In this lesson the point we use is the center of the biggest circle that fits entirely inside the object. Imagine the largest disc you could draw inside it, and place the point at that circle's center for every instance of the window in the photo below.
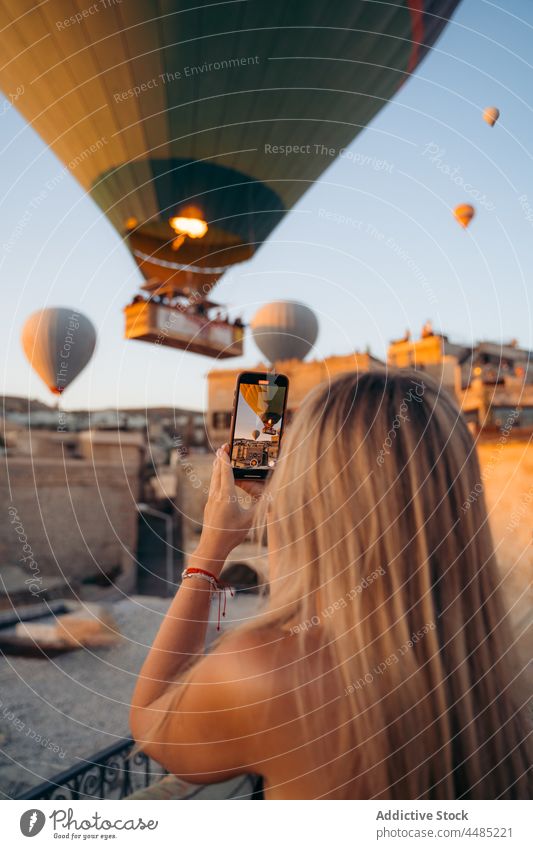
(221, 420)
(526, 417)
(504, 417)
(471, 416)
(199, 435)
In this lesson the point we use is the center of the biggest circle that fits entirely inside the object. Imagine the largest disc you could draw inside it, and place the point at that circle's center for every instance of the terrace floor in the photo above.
(57, 713)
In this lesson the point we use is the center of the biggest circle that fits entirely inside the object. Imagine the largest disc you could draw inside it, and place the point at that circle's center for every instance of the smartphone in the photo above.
(257, 423)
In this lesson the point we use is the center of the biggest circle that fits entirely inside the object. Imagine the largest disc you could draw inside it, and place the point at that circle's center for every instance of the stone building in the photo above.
(493, 382)
(70, 493)
(70, 512)
(303, 377)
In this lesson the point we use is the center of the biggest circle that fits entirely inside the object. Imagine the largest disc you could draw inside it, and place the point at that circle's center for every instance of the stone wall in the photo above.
(507, 477)
(78, 517)
(193, 479)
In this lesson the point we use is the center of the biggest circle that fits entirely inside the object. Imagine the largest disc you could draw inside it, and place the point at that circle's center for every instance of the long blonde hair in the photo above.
(384, 557)
(384, 550)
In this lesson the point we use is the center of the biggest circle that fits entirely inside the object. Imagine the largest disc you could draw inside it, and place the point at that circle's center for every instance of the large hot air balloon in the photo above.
(491, 115)
(284, 330)
(464, 214)
(58, 343)
(266, 402)
(196, 127)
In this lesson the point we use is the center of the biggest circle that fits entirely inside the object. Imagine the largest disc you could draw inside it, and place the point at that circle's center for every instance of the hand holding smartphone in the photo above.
(257, 423)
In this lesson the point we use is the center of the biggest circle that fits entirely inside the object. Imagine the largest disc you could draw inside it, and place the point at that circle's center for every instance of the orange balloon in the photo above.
(491, 115)
(464, 214)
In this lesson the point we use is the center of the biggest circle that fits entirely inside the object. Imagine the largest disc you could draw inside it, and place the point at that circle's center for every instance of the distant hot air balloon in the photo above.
(491, 115)
(58, 343)
(464, 214)
(284, 330)
(164, 112)
(266, 402)
(255, 434)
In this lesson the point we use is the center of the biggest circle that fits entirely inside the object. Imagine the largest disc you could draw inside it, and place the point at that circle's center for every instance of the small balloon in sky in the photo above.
(464, 214)
(491, 115)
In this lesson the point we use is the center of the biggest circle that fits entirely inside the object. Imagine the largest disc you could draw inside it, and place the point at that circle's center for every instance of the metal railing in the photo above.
(112, 773)
(116, 772)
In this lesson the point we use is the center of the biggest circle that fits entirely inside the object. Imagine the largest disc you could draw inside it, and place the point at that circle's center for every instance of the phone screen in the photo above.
(258, 425)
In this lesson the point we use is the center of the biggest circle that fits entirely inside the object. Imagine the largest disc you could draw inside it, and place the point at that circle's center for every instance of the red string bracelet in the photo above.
(195, 570)
(218, 586)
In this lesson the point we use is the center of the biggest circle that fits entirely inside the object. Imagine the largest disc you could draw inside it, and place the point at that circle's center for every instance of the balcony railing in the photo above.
(113, 773)
(116, 772)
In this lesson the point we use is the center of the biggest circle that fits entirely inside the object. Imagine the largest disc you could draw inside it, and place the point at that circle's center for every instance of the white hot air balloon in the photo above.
(491, 115)
(58, 343)
(284, 330)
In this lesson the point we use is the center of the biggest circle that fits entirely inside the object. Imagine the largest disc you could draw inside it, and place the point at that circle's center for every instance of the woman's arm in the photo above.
(219, 724)
(181, 637)
(182, 633)
(212, 728)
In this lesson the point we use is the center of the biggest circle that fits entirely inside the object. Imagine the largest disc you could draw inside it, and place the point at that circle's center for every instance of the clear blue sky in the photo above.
(400, 260)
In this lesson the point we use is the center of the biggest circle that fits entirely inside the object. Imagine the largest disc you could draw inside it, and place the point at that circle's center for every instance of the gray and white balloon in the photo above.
(284, 330)
(58, 343)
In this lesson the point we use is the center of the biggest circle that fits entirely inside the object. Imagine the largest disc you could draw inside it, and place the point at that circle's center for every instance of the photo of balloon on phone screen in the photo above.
(260, 401)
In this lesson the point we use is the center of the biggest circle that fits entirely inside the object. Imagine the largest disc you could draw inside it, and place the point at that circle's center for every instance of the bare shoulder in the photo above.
(254, 659)
(224, 720)
(236, 712)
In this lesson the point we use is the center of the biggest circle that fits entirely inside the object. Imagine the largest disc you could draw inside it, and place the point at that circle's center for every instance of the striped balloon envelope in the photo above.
(216, 115)
(58, 343)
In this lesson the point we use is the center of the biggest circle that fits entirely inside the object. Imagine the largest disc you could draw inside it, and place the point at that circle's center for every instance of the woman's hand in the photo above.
(255, 489)
(228, 516)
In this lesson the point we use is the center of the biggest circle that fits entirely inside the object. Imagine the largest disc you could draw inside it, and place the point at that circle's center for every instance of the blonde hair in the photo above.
(379, 559)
